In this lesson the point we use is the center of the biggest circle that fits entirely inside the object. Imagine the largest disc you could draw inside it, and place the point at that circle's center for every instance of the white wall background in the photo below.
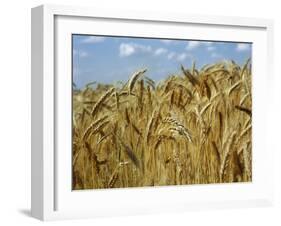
(15, 111)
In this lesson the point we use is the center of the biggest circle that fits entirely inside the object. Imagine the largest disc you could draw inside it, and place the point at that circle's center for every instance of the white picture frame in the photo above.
(52, 197)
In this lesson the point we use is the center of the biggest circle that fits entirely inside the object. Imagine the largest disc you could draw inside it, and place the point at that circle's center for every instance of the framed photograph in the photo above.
(137, 112)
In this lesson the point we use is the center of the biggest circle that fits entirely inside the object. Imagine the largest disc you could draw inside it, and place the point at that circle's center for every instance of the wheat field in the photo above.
(194, 127)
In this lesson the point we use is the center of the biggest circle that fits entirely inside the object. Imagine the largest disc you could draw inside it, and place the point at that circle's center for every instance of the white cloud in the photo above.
(93, 39)
(127, 49)
(242, 47)
(195, 44)
(192, 45)
(143, 48)
(178, 56)
(215, 55)
(181, 56)
(166, 41)
(211, 48)
(83, 54)
(160, 51)
(80, 54)
(171, 55)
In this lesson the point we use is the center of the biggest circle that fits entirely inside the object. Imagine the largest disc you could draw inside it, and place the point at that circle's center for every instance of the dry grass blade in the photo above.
(244, 99)
(213, 83)
(101, 100)
(103, 138)
(221, 124)
(226, 156)
(232, 88)
(150, 124)
(247, 162)
(126, 93)
(205, 108)
(127, 116)
(75, 157)
(117, 100)
(98, 129)
(217, 153)
(130, 153)
(245, 67)
(162, 138)
(136, 129)
(247, 129)
(92, 126)
(114, 177)
(244, 109)
(208, 90)
(189, 76)
(217, 71)
(88, 85)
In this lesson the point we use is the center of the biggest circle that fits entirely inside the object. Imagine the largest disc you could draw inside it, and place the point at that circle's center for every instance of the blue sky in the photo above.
(111, 59)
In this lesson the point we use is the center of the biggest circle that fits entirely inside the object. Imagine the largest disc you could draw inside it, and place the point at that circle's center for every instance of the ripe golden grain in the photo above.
(194, 127)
